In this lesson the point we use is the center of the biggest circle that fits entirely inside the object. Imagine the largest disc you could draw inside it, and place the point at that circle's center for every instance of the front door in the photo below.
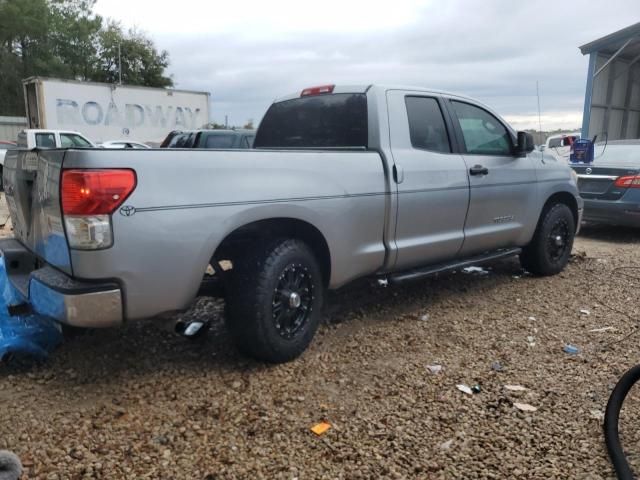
(502, 185)
(431, 181)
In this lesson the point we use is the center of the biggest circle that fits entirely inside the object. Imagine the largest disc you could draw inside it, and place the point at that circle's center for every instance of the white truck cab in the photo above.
(42, 138)
(560, 145)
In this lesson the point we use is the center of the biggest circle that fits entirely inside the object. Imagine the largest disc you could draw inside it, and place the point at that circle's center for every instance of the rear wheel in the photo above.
(275, 300)
(550, 248)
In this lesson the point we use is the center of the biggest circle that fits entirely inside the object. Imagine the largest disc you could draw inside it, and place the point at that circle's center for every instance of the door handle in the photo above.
(398, 173)
(478, 170)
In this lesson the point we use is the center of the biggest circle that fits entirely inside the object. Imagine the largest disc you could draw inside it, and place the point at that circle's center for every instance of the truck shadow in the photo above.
(112, 358)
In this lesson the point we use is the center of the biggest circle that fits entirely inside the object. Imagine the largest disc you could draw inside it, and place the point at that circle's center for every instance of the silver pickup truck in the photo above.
(344, 182)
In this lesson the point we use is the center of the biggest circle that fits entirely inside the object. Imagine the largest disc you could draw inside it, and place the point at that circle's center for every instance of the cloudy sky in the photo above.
(248, 53)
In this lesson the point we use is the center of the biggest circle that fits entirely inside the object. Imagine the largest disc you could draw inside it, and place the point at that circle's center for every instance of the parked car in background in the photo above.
(39, 138)
(344, 182)
(560, 145)
(123, 144)
(222, 139)
(610, 186)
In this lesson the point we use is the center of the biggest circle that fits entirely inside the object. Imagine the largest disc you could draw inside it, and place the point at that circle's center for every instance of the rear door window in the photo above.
(178, 141)
(318, 121)
(426, 125)
(190, 140)
(483, 133)
(45, 140)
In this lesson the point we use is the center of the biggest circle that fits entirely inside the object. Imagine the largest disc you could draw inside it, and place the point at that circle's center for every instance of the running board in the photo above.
(418, 273)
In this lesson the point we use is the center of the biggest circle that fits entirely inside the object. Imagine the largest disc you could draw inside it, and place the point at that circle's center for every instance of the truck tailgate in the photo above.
(32, 189)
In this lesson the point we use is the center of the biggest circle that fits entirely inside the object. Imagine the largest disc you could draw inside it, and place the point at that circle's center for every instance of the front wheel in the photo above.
(550, 248)
(275, 300)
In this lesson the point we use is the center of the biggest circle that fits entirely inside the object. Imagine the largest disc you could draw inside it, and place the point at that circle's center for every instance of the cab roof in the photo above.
(365, 88)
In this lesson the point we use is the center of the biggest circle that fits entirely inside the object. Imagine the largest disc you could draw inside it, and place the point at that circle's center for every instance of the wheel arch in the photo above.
(565, 198)
(288, 227)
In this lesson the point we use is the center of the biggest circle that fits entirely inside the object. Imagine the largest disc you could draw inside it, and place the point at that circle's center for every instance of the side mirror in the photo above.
(525, 144)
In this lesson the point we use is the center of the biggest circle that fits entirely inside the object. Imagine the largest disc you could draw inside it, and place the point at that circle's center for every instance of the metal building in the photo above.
(612, 97)
(11, 126)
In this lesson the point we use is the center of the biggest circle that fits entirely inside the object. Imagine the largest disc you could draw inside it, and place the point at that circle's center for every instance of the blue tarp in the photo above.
(30, 335)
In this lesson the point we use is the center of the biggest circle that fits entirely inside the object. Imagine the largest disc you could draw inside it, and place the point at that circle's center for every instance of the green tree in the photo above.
(65, 39)
(142, 64)
(74, 38)
(23, 36)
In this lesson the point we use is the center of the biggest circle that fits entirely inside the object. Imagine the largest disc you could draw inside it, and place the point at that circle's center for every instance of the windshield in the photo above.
(321, 121)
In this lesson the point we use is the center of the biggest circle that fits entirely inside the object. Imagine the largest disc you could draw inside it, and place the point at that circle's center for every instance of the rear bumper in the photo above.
(54, 294)
(612, 212)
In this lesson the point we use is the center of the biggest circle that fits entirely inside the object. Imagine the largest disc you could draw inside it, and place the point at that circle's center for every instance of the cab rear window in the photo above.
(320, 121)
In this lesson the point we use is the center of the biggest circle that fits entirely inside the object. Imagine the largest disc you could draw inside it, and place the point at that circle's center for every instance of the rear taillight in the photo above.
(631, 181)
(317, 90)
(89, 197)
(94, 192)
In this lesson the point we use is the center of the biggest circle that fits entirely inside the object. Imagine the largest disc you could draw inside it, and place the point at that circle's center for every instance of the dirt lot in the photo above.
(143, 403)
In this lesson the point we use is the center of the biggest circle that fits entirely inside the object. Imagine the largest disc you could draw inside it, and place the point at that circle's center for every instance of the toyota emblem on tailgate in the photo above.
(128, 210)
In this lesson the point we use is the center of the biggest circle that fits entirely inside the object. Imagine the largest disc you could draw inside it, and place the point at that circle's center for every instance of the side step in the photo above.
(419, 273)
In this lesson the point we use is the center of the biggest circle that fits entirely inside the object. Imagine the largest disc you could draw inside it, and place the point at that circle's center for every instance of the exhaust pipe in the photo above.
(190, 328)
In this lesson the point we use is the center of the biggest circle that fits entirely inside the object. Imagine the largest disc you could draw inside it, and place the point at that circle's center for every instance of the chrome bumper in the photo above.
(54, 294)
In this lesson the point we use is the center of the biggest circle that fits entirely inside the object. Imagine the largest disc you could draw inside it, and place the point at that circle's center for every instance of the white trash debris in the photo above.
(603, 329)
(424, 317)
(446, 445)
(585, 312)
(465, 389)
(515, 388)
(533, 319)
(435, 369)
(383, 282)
(478, 270)
(525, 407)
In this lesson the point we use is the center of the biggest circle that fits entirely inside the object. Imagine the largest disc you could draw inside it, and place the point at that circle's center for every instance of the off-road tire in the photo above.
(544, 255)
(255, 292)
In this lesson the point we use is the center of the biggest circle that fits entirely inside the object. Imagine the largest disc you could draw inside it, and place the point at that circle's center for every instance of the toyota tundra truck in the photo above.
(344, 182)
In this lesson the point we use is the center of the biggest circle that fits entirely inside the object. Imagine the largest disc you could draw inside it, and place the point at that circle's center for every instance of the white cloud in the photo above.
(246, 54)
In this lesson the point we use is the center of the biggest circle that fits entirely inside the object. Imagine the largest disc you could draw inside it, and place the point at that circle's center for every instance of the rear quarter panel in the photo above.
(187, 201)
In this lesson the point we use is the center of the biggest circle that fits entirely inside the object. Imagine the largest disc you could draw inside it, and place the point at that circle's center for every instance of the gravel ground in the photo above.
(140, 402)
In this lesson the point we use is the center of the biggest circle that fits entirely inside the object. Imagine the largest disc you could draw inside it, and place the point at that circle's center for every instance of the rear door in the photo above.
(431, 180)
(503, 187)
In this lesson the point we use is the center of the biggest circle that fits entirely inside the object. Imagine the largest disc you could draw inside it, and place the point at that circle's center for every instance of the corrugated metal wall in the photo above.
(11, 126)
(615, 100)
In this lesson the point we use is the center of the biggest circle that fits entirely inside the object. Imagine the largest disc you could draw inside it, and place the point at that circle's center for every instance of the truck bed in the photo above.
(187, 201)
